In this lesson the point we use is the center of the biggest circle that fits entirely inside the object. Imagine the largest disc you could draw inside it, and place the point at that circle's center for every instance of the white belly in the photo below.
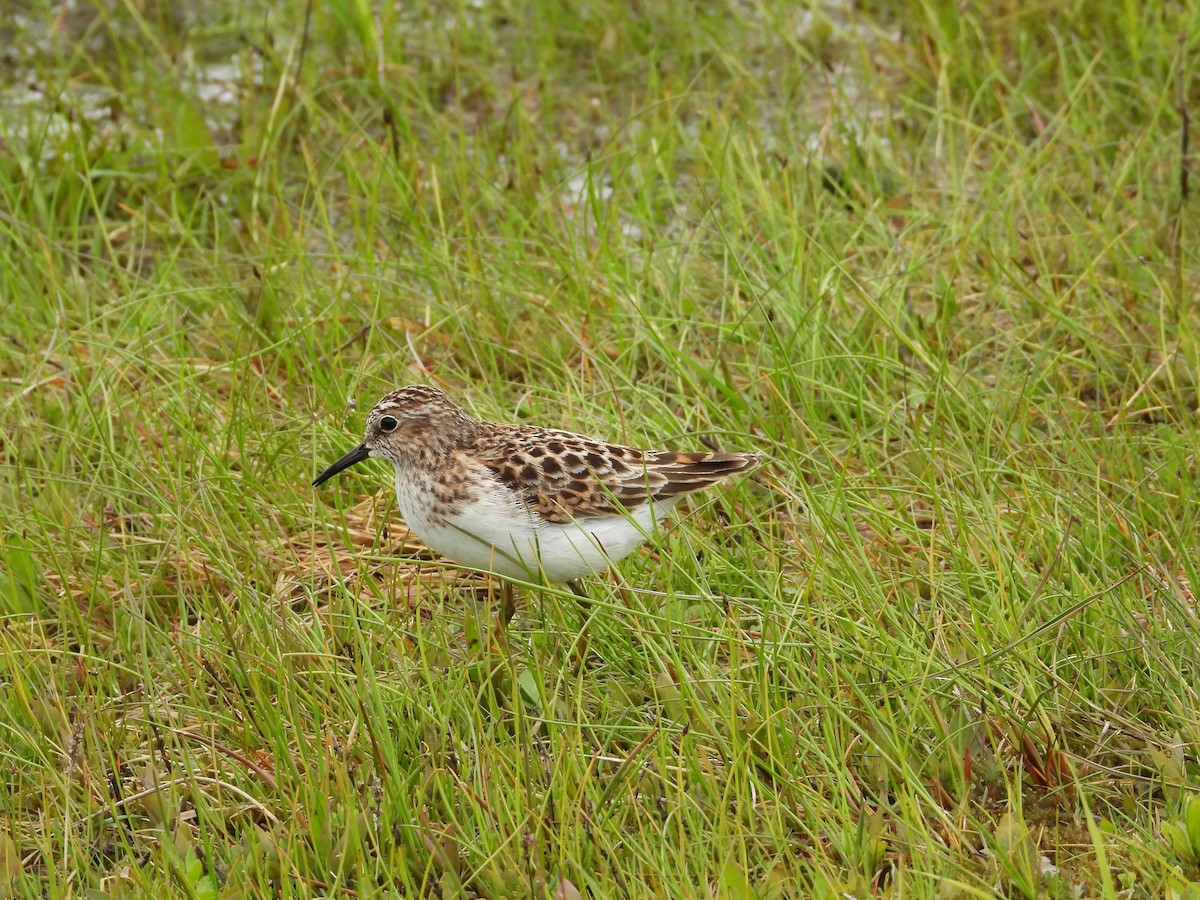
(498, 534)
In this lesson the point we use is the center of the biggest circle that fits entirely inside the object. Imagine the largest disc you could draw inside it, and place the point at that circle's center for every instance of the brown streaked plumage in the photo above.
(520, 500)
(563, 476)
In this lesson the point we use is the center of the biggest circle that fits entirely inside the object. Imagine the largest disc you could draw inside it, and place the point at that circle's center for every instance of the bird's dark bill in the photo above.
(357, 455)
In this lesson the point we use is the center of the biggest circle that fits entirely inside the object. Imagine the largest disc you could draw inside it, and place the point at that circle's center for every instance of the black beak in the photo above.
(357, 455)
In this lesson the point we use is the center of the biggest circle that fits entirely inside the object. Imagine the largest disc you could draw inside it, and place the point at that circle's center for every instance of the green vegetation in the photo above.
(936, 260)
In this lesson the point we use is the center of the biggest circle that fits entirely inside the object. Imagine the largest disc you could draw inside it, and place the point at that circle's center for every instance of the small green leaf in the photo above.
(1182, 890)
(474, 630)
(1192, 817)
(19, 578)
(153, 802)
(531, 690)
(1177, 837)
(193, 869)
(734, 882)
(1016, 843)
(668, 694)
(10, 859)
(777, 884)
(182, 838)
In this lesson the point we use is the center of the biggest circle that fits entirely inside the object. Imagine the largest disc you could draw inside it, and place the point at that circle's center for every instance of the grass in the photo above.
(935, 260)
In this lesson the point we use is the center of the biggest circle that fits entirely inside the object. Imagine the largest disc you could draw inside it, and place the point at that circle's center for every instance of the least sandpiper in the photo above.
(520, 501)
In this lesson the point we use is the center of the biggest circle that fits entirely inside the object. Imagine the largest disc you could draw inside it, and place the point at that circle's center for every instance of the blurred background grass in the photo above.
(934, 259)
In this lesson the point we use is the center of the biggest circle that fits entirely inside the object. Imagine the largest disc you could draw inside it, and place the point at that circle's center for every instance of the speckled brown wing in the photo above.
(564, 476)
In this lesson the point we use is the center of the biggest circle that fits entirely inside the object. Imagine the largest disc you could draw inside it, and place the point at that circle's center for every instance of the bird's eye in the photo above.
(388, 423)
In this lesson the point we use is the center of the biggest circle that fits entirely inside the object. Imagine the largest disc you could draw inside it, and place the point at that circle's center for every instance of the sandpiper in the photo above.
(521, 501)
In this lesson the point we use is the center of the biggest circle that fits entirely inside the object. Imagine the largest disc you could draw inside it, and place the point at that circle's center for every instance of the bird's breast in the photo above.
(483, 524)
